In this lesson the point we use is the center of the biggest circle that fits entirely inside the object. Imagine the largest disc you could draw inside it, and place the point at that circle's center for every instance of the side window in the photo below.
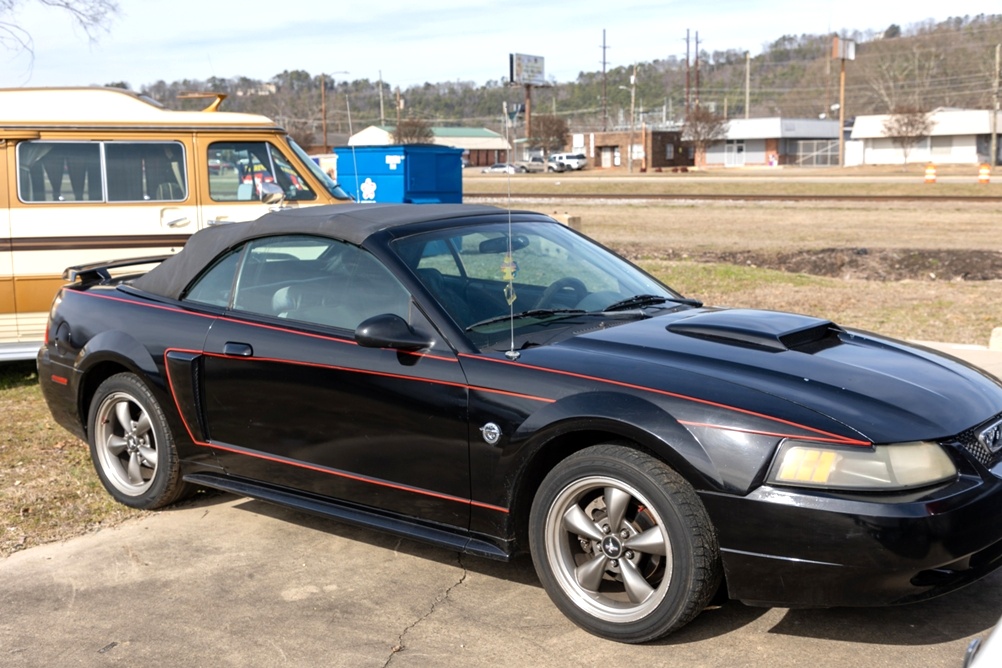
(101, 171)
(215, 286)
(437, 255)
(145, 171)
(59, 171)
(303, 278)
(237, 170)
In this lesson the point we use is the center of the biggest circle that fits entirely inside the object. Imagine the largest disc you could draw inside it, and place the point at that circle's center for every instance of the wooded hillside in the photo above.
(926, 65)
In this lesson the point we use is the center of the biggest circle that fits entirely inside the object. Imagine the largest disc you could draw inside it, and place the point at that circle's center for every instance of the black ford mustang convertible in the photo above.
(493, 382)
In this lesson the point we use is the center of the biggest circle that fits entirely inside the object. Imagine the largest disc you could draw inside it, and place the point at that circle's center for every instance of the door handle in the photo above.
(237, 349)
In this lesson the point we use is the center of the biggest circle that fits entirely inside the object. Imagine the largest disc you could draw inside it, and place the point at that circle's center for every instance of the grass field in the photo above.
(49, 491)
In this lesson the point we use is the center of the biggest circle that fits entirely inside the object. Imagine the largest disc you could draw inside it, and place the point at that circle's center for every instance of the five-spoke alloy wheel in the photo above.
(623, 544)
(131, 446)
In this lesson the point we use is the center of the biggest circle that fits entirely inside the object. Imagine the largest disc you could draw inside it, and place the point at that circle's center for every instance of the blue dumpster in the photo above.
(402, 173)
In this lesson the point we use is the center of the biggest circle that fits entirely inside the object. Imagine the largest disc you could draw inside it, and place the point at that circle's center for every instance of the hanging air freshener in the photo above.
(509, 269)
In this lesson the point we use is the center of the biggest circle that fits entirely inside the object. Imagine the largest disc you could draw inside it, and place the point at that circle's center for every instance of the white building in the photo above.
(807, 142)
(480, 145)
(958, 136)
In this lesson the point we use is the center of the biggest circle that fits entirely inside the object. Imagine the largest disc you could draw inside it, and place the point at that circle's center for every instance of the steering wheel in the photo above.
(559, 286)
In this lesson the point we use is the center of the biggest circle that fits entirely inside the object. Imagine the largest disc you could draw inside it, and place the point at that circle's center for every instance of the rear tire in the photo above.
(131, 446)
(622, 544)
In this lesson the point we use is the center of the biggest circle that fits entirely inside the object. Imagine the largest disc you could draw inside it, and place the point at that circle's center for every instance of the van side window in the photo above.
(109, 171)
(59, 171)
(237, 170)
(144, 171)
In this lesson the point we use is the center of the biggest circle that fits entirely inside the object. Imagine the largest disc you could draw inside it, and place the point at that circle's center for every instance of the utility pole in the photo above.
(323, 111)
(605, 109)
(400, 106)
(528, 114)
(995, 108)
(633, 116)
(841, 115)
(696, 69)
(382, 116)
(843, 49)
(688, 89)
(747, 84)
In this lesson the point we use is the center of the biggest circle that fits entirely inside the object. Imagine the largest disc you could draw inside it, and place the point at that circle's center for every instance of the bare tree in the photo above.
(903, 74)
(549, 133)
(907, 126)
(703, 127)
(413, 130)
(91, 15)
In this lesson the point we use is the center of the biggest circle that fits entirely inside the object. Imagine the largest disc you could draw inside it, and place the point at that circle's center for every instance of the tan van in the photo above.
(93, 174)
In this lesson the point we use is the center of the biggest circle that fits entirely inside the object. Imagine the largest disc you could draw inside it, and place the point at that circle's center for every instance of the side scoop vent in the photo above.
(762, 329)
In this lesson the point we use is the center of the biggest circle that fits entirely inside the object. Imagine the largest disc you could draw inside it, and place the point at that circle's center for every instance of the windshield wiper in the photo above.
(531, 313)
(638, 301)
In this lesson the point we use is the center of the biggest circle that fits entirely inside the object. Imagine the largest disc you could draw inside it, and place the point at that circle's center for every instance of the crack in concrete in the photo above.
(400, 646)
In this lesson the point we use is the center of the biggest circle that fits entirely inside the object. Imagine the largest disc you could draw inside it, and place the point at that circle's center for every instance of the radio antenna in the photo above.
(508, 267)
(354, 158)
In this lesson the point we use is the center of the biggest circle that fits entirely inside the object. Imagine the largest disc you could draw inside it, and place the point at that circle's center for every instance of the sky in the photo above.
(409, 42)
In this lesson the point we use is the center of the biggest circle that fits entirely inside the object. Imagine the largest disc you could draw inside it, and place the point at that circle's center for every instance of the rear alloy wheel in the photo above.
(132, 448)
(622, 544)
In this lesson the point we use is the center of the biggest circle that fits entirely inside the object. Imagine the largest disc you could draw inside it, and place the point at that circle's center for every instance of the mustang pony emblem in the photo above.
(991, 437)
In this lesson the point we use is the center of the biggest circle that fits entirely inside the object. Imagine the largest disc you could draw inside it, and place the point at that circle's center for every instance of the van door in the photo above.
(232, 172)
(82, 201)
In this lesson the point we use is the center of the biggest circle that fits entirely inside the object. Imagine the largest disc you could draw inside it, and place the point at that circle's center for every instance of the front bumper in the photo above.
(790, 548)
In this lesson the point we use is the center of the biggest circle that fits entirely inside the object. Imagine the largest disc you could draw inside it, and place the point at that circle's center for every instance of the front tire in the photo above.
(622, 544)
(131, 446)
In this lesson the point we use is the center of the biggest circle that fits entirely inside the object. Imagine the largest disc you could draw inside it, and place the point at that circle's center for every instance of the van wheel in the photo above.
(131, 446)
(622, 544)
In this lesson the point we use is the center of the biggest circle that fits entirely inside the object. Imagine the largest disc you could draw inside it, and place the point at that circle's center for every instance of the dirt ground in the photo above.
(877, 264)
(875, 241)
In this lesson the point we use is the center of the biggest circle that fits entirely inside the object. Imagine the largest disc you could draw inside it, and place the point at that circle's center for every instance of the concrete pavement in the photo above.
(227, 581)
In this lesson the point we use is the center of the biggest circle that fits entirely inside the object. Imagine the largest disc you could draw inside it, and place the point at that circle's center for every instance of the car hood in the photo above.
(881, 389)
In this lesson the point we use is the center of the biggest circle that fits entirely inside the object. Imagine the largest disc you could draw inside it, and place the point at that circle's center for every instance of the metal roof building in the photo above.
(957, 136)
(482, 146)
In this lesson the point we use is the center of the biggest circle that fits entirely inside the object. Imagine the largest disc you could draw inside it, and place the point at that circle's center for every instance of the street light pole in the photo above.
(323, 107)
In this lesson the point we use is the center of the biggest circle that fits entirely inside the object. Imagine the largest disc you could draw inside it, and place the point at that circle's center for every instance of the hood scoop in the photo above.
(771, 330)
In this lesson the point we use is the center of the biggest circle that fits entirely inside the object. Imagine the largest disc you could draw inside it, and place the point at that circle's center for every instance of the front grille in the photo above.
(968, 440)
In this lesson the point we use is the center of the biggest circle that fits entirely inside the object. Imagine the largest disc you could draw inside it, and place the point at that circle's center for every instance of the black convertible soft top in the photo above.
(352, 223)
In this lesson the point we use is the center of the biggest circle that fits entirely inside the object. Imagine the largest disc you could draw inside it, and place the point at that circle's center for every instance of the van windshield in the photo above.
(330, 184)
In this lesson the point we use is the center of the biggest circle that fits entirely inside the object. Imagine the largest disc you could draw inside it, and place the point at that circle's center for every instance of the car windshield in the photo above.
(329, 184)
(533, 276)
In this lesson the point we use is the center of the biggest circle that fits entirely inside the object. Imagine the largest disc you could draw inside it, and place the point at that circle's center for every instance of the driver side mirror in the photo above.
(389, 331)
(272, 194)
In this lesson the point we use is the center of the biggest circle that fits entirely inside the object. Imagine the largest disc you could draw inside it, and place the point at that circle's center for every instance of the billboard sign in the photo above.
(526, 70)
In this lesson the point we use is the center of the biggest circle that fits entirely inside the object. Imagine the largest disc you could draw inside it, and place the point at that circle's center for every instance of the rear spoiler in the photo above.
(101, 271)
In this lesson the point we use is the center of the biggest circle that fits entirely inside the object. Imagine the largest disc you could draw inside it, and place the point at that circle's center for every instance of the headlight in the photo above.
(882, 467)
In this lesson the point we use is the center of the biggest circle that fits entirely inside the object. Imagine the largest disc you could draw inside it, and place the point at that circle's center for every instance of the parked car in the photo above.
(570, 161)
(534, 164)
(495, 383)
(503, 168)
(553, 165)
